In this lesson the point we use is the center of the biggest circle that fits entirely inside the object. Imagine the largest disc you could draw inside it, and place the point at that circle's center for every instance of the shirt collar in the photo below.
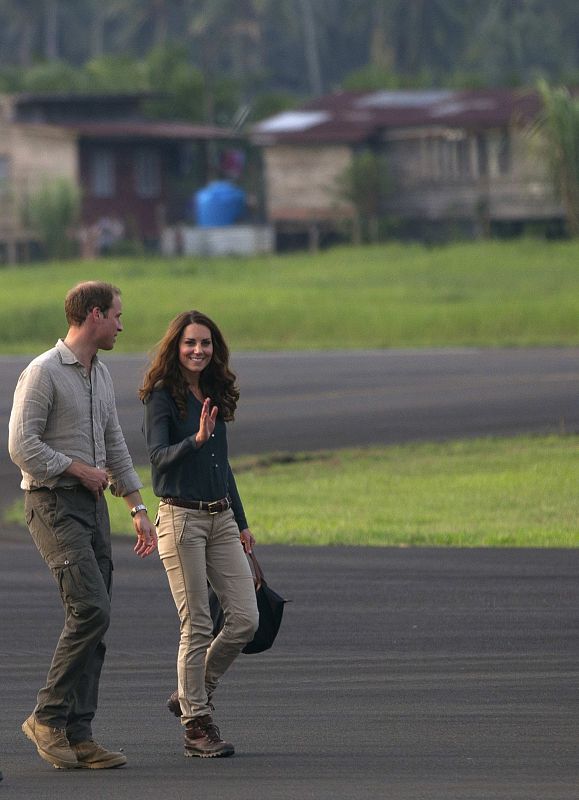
(67, 356)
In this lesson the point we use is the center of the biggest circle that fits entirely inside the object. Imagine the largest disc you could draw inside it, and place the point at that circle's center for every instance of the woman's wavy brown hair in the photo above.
(217, 381)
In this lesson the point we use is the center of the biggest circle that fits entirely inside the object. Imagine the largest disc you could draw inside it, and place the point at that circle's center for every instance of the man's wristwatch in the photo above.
(136, 509)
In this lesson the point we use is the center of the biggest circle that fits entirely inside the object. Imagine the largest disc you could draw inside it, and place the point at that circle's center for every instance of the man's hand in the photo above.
(92, 478)
(146, 534)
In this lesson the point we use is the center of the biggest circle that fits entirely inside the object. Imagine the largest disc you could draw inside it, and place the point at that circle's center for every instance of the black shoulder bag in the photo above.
(270, 606)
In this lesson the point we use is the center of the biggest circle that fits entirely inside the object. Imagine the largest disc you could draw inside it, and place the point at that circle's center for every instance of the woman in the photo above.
(189, 394)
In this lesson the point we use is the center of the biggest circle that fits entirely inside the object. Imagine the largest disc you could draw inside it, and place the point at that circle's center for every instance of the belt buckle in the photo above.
(214, 503)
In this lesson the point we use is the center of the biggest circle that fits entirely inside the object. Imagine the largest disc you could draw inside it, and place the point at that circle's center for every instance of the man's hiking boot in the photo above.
(90, 755)
(51, 743)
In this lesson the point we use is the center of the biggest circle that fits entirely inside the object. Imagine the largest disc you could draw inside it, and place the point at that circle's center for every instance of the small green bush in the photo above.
(53, 211)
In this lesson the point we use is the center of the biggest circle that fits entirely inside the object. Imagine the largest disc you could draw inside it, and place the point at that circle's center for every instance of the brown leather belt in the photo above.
(214, 507)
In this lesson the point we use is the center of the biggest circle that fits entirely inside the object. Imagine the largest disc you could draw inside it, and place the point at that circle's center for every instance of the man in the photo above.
(65, 436)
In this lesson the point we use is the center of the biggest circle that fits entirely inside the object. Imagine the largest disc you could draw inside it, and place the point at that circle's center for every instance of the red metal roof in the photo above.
(108, 116)
(352, 117)
(140, 129)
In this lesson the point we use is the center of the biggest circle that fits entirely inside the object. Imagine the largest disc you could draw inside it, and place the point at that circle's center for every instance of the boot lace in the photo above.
(210, 730)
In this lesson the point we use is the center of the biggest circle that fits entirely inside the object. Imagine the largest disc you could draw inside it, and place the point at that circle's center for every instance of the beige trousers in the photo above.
(195, 547)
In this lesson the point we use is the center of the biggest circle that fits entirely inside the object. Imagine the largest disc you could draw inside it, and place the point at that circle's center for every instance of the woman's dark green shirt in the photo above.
(178, 467)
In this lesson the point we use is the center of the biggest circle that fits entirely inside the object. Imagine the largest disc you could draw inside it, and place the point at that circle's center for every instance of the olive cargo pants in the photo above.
(72, 533)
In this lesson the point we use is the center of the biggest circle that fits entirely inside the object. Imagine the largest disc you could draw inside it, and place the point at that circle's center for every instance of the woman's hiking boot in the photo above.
(203, 739)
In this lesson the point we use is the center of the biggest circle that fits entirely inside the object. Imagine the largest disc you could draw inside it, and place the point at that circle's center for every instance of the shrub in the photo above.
(53, 211)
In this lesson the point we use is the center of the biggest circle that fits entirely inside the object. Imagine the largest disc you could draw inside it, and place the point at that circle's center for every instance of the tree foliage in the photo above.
(232, 52)
(364, 185)
(558, 126)
(53, 210)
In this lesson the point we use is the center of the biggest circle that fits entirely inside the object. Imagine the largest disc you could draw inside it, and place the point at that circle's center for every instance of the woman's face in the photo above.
(195, 349)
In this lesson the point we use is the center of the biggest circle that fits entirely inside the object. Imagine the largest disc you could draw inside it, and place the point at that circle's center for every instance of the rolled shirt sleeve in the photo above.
(33, 401)
(61, 414)
(119, 464)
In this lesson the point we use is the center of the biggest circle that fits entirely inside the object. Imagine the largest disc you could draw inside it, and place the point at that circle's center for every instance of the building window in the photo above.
(186, 159)
(482, 152)
(102, 174)
(500, 153)
(463, 158)
(147, 173)
(504, 153)
(449, 156)
(455, 155)
(4, 173)
(446, 157)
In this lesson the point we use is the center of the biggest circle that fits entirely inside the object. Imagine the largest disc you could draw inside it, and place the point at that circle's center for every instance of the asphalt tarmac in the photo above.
(416, 674)
(407, 674)
(318, 400)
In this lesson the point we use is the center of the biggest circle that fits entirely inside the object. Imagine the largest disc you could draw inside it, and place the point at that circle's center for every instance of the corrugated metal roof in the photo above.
(386, 98)
(353, 117)
(114, 116)
(140, 129)
(81, 98)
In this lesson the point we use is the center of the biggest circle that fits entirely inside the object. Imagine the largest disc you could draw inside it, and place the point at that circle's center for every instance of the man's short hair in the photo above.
(83, 297)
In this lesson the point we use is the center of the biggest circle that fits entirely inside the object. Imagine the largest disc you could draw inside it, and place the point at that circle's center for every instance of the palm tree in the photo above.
(51, 29)
(312, 52)
(21, 25)
(558, 127)
(232, 30)
(227, 38)
(142, 24)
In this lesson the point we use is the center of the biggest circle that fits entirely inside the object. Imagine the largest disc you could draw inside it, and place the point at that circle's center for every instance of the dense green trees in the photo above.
(218, 58)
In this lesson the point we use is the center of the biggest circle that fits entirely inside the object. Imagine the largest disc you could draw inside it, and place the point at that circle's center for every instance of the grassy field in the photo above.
(495, 492)
(520, 293)
(519, 492)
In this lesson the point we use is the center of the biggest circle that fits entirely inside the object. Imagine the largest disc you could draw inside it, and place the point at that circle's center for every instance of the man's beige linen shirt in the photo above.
(61, 414)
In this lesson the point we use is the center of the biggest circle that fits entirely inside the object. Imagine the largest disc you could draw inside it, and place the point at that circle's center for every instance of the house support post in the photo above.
(11, 251)
(314, 237)
(356, 230)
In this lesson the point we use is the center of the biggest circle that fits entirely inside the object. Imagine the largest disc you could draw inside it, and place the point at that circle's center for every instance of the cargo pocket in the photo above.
(81, 584)
(39, 513)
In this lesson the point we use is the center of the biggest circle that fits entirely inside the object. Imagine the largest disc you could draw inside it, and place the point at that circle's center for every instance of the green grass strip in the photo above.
(519, 492)
(519, 293)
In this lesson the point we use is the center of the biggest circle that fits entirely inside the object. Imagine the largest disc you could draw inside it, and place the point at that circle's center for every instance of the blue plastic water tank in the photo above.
(219, 203)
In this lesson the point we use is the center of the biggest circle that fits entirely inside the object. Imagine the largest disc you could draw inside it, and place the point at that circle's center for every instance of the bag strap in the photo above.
(259, 577)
